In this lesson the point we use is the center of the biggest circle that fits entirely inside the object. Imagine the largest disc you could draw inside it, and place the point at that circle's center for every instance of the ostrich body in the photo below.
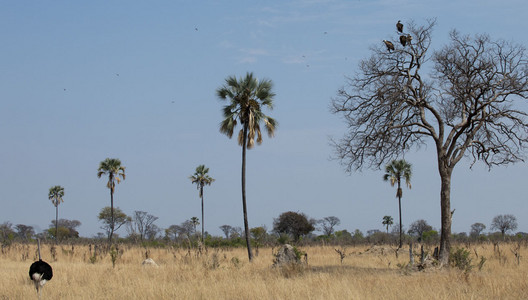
(40, 272)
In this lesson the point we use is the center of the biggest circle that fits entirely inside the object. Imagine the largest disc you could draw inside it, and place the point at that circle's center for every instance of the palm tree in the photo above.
(55, 195)
(387, 221)
(246, 98)
(394, 173)
(113, 168)
(195, 222)
(201, 178)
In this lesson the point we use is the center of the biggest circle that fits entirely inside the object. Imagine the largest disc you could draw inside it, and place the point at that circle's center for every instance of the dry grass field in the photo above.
(220, 274)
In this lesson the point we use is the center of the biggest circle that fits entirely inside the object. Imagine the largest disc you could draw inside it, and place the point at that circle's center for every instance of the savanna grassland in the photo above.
(227, 274)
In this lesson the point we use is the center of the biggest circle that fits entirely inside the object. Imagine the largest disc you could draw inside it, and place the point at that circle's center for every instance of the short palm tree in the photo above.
(246, 97)
(201, 178)
(387, 221)
(195, 222)
(55, 195)
(113, 168)
(394, 172)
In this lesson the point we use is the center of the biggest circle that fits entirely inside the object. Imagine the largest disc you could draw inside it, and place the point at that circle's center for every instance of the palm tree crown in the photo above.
(387, 221)
(113, 168)
(394, 173)
(201, 178)
(55, 195)
(246, 97)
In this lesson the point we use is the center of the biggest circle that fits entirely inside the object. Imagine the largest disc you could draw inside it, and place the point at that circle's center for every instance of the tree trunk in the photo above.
(57, 223)
(445, 207)
(111, 216)
(201, 193)
(244, 206)
(399, 207)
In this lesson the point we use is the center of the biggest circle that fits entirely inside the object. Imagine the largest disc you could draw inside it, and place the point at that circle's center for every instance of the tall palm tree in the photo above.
(387, 221)
(55, 195)
(394, 172)
(113, 168)
(201, 178)
(246, 97)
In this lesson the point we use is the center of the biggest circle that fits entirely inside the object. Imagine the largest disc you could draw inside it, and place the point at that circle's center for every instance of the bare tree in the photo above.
(465, 108)
(143, 223)
(328, 224)
(504, 223)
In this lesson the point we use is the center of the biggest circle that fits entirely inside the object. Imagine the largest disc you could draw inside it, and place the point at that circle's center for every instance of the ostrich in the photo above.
(40, 272)
(390, 46)
(399, 26)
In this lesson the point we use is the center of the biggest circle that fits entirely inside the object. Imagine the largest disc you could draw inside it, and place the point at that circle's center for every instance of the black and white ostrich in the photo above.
(40, 272)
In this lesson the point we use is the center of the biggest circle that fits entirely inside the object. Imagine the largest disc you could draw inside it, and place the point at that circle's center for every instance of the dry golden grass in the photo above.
(223, 274)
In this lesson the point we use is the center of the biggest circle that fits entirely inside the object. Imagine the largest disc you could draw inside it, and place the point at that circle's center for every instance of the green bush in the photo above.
(461, 259)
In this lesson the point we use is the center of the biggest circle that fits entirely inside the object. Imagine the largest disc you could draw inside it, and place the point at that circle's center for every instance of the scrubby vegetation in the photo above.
(366, 272)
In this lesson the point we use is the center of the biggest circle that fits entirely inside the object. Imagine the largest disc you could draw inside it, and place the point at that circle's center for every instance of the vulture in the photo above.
(390, 46)
(403, 40)
(399, 26)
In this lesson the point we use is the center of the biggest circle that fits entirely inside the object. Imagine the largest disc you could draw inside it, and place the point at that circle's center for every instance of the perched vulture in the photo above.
(403, 40)
(399, 26)
(390, 46)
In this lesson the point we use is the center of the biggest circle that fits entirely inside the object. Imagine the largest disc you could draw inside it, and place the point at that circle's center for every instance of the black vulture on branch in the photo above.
(390, 46)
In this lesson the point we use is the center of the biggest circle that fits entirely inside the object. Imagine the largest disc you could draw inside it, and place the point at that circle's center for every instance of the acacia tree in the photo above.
(476, 229)
(466, 108)
(112, 220)
(201, 178)
(328, 224)
(113, 168)
(418, 228)
(246, 97)
(55, 195)
(226, 229)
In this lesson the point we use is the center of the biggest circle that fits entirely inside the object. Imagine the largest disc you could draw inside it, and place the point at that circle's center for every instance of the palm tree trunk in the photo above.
(401, 226)
(57, 224)
(201, 193)
(244, 206)
(111, 216)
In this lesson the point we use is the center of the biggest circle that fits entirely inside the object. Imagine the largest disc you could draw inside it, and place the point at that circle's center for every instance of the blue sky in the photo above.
(136, 80)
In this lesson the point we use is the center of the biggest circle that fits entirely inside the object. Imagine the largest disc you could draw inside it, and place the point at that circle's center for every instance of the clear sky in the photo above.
(81, 81)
